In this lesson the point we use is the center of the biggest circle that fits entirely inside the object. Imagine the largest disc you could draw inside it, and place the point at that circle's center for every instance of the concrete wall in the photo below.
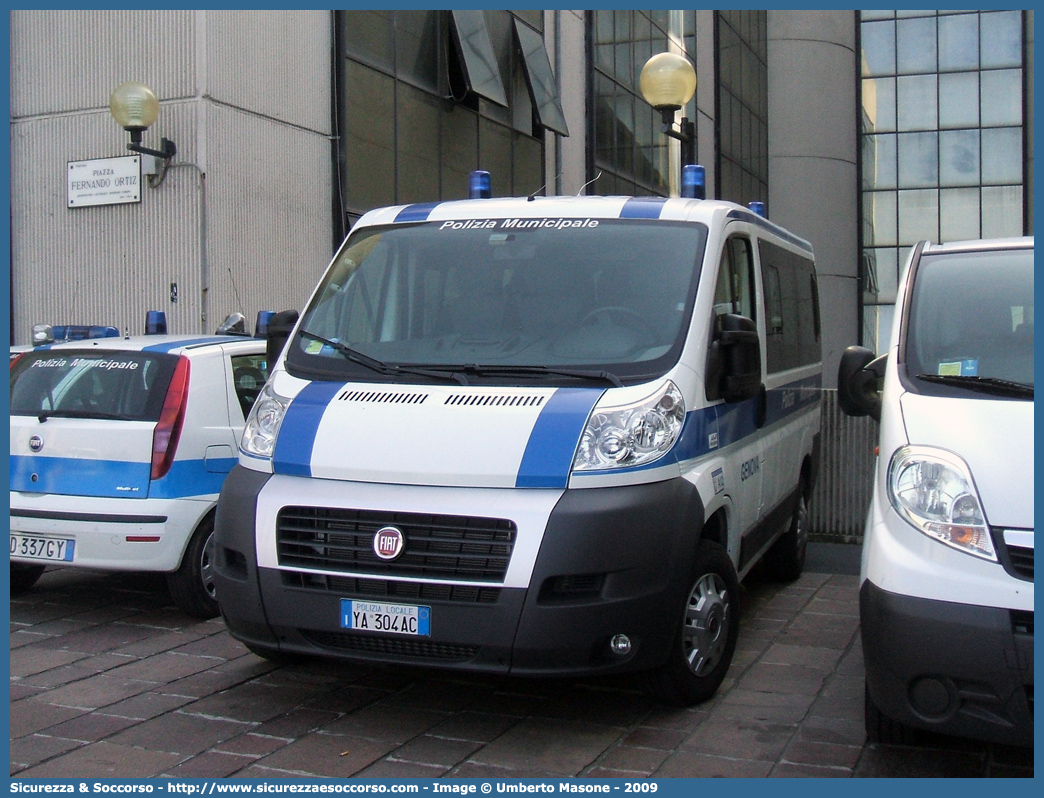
(813, 156)
(241, 221)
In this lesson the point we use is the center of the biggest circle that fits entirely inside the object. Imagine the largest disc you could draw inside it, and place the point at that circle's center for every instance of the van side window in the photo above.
(733, 293)
(791, 308)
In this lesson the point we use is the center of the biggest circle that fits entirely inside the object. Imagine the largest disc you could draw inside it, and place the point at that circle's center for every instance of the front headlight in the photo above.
(624, 436)
(262, 425)
(933, 490)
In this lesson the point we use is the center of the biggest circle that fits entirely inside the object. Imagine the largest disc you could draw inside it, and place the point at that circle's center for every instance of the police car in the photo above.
(543, 435)
(119, 447)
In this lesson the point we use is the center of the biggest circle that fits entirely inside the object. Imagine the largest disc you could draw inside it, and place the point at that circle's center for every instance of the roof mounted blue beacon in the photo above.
(261, 326)
(155, 322)
(480, 185)
(694, 181)
(758, 208)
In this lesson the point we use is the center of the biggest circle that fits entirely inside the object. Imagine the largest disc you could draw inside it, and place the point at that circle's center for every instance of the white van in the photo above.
(537, 436)
(946, 600)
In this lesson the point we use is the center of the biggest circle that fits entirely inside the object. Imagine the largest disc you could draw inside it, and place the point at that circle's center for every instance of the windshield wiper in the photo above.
(584, 374)
(989, 385)
(373, 364)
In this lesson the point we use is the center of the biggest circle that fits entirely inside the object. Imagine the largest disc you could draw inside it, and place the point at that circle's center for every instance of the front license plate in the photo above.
(399, 619)
(34, 548)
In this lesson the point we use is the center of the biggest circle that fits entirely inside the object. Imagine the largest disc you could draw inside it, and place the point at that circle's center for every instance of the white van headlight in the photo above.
(623, 436)
(933, 490)
(262, 425)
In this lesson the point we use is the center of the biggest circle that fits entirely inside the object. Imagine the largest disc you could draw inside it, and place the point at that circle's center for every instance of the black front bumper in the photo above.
(952, 668)
(612, 561)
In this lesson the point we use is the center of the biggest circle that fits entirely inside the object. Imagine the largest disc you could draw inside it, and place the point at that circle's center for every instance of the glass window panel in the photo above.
(876, 14)
(529, 166)
(878, 43)
(1001, 39)
(917, 102)
(959, 100)
(879, 104)
(959, 214)
(543, 90)
(623, 38)
(879, 161)
(534, 17)
(417, 122)
(643, 46)
(918, 160)
(417, 37)
(1002, 97)
(918, 216)
(1001, 155)
(459, 150)
(476, 50)
(495, 155)
(880, 274)
(959, 158)
(369, 37)
(882, 211)
(603, 40)
(369, 137)
(916, 45)
(1001, 211)
(959, 42)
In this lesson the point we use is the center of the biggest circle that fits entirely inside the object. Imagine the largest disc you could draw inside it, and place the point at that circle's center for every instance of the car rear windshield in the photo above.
(971, 320)
(528, 298)
(91, 384)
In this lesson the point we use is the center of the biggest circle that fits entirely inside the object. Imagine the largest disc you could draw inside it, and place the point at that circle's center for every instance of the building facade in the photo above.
(291, 124)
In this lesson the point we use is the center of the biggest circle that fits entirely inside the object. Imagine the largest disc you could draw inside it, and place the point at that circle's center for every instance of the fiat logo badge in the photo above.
(388, 543)
(36, 443)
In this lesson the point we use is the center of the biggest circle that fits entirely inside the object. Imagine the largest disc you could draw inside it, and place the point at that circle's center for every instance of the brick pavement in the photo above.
(108, 679)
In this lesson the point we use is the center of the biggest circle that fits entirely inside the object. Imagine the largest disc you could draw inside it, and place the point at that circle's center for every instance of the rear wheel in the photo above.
(706, 635)
(24, 577)
(192, 585)
(880, 728)
(786, 559)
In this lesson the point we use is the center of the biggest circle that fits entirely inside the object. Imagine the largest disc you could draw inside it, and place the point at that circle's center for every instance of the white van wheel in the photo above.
(706, 636)
(786, 559)
(192, 585)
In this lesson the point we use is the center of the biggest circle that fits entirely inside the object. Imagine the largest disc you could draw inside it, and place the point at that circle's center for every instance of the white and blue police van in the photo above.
(119, 447)
(537, 436)
(948, 544)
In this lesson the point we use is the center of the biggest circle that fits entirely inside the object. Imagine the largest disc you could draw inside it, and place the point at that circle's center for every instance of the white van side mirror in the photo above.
(860, 378)
(734, 361)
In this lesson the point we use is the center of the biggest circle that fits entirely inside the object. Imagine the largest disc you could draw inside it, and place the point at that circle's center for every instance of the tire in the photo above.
(24, 577)
(192, 585)
(882, 729)
(705, 639)
(786, 559)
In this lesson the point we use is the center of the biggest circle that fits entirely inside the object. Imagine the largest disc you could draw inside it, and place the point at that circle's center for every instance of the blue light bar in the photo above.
(155, 322)
(758, 208)
(694, 181)
(261, 328)
(480, 185)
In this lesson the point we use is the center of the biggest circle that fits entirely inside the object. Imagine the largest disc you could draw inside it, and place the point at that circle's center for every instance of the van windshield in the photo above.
(555, 300)
(971, 323)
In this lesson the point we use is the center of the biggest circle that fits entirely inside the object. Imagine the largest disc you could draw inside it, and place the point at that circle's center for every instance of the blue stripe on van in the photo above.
(167, 346)
(548, 458)
(293, 450)
(643, 208)
(416, 213)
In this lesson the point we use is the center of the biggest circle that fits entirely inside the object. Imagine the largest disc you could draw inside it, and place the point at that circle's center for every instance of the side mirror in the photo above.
(280, 325)
(734, 363)
(860, 378)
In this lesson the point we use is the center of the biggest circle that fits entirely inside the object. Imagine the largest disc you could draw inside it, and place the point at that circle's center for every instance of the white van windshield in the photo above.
(554, 299)
(971, 322)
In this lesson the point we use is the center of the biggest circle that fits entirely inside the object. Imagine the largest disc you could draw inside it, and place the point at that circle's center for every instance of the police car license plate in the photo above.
(400, 619)
(35, 548)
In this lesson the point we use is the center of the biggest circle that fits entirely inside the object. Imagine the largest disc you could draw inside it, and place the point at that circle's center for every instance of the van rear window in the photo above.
(91, 384)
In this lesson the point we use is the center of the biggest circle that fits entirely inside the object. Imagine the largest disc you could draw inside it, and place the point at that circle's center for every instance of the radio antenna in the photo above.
(589, 182)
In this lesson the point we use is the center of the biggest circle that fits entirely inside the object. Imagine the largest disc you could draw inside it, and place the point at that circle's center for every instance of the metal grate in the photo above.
(436, 546)
(352, 587)
(405, 647)
(1021, 622)
(1021, 559)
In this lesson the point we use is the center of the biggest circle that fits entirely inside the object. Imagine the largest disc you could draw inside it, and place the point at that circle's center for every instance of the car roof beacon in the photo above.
(480, 185)
(155, 322)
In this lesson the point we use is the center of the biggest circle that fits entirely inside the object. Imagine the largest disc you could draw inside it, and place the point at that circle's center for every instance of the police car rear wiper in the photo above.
(991, 385)
(380, 366)
(584, 374)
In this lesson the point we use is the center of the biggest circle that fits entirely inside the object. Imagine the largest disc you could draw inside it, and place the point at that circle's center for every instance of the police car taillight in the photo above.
(172, 418)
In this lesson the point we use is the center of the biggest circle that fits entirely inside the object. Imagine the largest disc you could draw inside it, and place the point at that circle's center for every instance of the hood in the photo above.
(994, 437)
(434, 435)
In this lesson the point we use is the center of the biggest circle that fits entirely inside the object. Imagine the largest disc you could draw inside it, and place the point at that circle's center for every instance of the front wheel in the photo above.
(706, 635)
(786, 559)
(192, 585)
